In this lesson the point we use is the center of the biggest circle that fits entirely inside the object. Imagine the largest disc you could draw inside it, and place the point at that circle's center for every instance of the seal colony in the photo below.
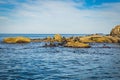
(75, 42)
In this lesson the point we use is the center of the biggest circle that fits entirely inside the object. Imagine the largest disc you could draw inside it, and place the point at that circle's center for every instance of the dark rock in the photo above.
(50, 45)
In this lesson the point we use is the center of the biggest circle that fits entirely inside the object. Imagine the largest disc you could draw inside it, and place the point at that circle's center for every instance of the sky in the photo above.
(59, 16)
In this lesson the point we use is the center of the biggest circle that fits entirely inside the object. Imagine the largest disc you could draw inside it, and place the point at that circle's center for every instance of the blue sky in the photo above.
(59, 16)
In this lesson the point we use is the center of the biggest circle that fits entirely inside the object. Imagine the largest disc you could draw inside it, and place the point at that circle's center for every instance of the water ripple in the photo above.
(34, 62)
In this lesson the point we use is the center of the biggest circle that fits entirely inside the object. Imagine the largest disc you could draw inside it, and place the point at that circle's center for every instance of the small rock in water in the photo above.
(17, 40)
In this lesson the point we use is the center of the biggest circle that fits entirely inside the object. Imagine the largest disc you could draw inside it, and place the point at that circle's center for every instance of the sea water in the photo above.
(31, 61)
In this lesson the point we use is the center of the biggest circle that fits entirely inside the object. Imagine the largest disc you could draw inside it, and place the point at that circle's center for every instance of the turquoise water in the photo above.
(33, 62)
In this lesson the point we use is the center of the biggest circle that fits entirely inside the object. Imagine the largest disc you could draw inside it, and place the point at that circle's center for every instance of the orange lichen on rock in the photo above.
(77, 45)
(115, 31)
(16, 40)
(113, 39)
(99, 39)
(58, 37)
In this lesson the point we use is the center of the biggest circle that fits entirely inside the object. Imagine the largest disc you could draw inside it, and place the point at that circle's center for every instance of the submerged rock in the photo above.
(17, 40)
(77, 45)
(115, 31)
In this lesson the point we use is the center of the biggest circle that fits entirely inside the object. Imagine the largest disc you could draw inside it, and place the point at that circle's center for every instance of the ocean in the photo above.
(31, 61)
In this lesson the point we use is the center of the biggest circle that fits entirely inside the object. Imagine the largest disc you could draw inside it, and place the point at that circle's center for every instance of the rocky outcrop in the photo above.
(75, 42)
(99, 39)
(77, 45)
(115, 31)
(94, 38)
(58, 37)
(17, 40)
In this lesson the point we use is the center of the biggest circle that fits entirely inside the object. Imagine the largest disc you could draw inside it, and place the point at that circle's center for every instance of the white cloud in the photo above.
(62, 17)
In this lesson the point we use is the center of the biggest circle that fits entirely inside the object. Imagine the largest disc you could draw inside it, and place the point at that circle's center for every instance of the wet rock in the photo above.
(50, 45)
(115, 31)
(77, 45)
(17, 40)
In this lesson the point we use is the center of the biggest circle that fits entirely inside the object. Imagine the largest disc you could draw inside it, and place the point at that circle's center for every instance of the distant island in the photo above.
(75, 42)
